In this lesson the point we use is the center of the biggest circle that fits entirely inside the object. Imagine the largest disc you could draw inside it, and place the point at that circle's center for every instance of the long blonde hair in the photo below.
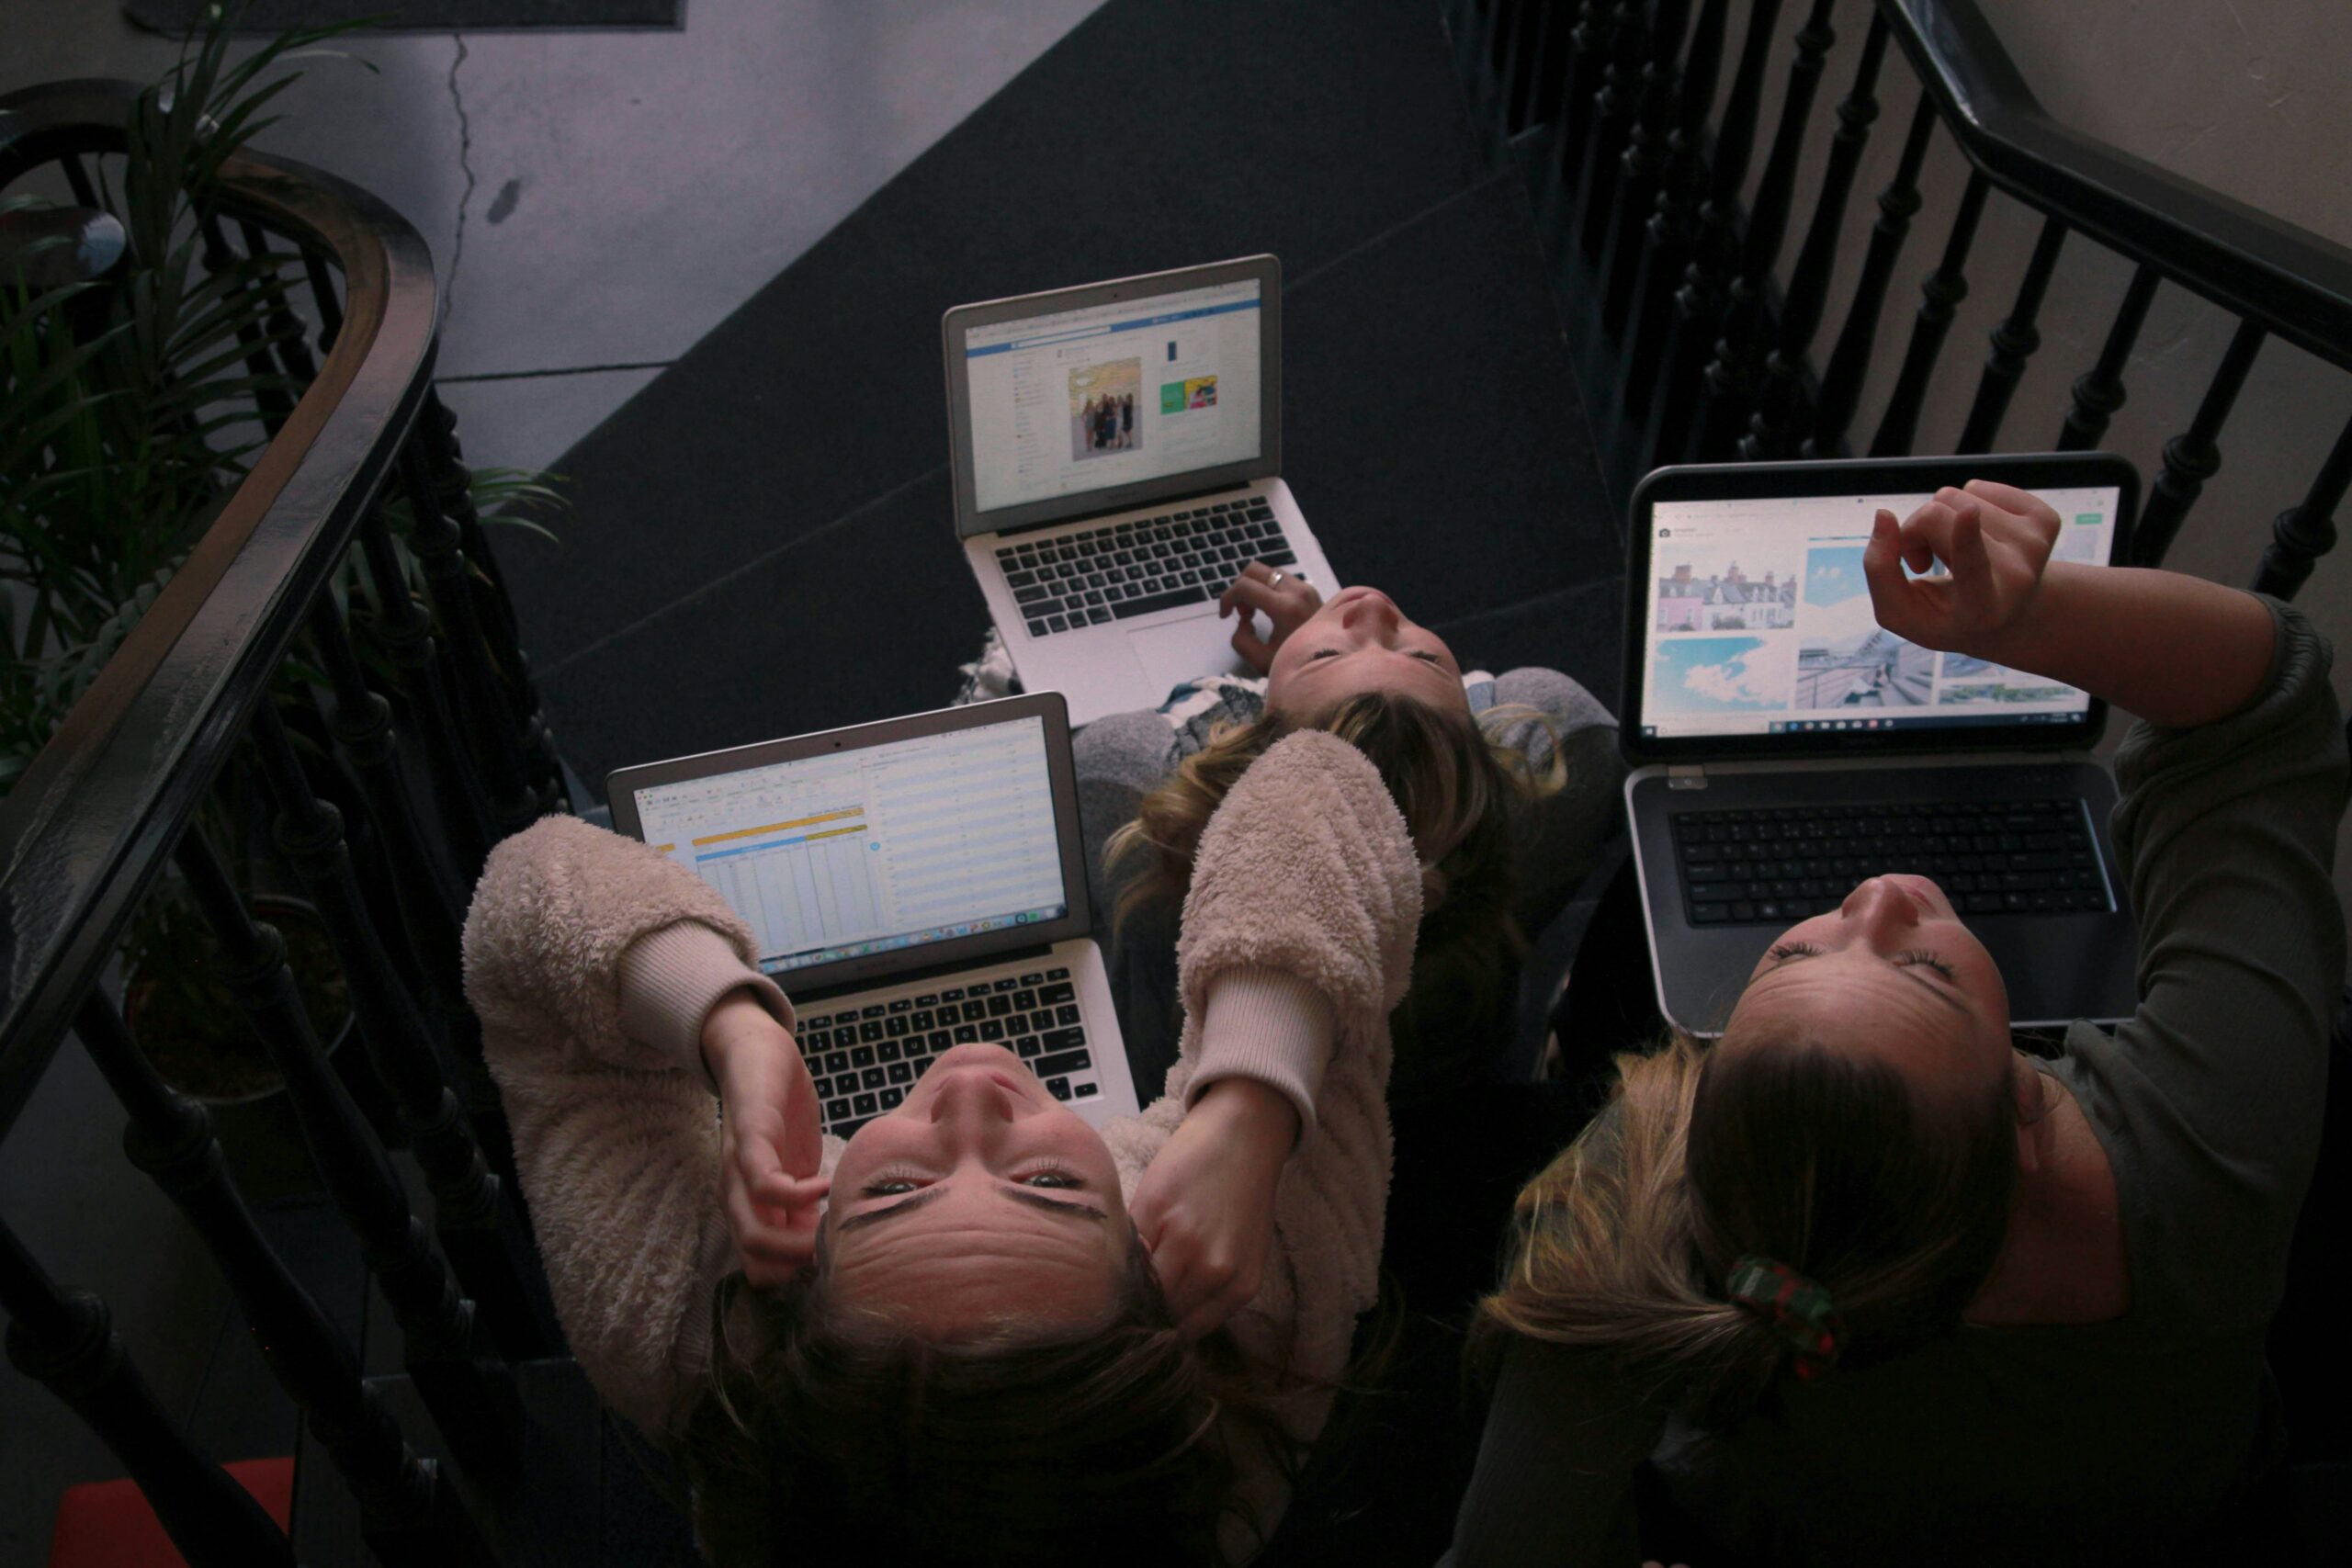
(1819, 1160)
(1462, 787)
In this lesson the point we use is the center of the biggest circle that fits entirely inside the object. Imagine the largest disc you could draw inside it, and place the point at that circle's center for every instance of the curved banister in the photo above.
(2289, 280)
(93, 817)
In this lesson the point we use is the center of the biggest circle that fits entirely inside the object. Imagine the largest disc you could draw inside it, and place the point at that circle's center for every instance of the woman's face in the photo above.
(1360, 642)
(981, 1198)
(1890, 973)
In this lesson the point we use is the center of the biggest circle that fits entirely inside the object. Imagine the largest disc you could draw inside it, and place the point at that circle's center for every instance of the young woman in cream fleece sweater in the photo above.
(977, 1331)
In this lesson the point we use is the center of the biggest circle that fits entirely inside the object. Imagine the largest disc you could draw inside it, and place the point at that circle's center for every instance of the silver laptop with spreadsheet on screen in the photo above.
(1786, 748)
(913, 885)
(1116, 451)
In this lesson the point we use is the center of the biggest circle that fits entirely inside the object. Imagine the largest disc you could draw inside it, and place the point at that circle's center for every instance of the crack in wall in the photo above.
(465, 166)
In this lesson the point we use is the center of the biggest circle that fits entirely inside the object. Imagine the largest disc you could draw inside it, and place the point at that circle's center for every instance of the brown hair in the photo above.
(1819, 1160)
(1462, 787)
(823, 1431)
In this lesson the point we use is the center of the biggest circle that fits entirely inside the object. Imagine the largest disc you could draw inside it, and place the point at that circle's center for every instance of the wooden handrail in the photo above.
(95, 815)
(2261, 268)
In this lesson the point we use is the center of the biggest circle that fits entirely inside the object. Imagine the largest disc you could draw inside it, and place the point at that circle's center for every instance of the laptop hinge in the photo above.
(927, 972)
(1686, 775)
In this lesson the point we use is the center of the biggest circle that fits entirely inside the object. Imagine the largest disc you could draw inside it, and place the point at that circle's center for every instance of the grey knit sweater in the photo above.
(592, 962)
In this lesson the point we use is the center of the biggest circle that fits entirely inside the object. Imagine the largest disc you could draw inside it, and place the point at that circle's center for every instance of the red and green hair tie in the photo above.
(1799, 1310)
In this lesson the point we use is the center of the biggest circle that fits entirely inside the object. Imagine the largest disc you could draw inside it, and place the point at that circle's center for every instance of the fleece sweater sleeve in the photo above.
(615, 1129)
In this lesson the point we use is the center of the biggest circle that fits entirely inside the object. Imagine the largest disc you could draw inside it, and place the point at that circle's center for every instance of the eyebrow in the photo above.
(1907, 970)
(937, 1191)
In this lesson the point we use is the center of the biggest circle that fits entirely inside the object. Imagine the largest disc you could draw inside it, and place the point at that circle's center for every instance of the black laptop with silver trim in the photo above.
(1785, 746)
(913, 884)
(1117, 451)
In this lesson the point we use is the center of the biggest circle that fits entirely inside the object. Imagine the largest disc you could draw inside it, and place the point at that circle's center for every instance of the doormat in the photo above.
(177, 19)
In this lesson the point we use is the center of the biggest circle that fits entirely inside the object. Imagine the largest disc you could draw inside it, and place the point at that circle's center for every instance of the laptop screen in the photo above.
(868, 850)
(1137, 390)
(1759, 622)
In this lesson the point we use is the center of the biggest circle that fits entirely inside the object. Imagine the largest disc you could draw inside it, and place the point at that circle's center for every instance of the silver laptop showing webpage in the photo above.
(1787, 747)
(1116, 451)
(913, 885)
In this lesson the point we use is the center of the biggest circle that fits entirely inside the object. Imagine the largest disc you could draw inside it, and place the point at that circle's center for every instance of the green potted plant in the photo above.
(130, 412)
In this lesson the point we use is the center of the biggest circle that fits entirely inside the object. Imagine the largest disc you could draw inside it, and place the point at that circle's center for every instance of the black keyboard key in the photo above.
(991, 1029)
(953, 994)
(873, 1077)
(1025, 1000)
(975, 1010)
(1151, 604)
(1059, 1087)
(869, 1032)
(968, 1034)
(865, 1104)
(1064, 1040)
(938, 1040)
(1061, 1062)
(1098, 616)
(926, 1002)
(887, 1052)
(1088, 1090)
(1057, 974)
(1059, 992)
(1067, 1014)
(1039, 628)
(834, 1062)
(895, 1026)
(862, 1056)
(836, 1108)
(900, 1072)
(997, 1006)
(921, 1021)
(1277, 558)
(891, 1097)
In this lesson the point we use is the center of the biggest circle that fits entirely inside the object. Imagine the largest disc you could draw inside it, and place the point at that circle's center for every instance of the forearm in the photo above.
(2176, 650)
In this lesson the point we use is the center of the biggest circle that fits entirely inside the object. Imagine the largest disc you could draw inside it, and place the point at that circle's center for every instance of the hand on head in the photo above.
(1287, 601)
(1993, 542)
(771, 1144)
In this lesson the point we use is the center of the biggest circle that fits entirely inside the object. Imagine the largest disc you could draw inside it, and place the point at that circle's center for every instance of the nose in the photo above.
(1883, 909)
(1373, 613)
(970, 1099)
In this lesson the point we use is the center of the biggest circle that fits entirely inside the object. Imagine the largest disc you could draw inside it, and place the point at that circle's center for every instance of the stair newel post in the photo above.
(1939, 298)
(494, 610)
(67, 1341)
(492, 745)
(1526, 50)
(431, 901)
(1612, 116)
(1730, 375)
(1714, 250)
(286, 330)
(1561, 157)
(2014, 342)
(2099, 391)
(475, 1221)
(1772, 426)
(405, 631)
(1673, 221)
(410, 1516)
(1841, 384)
(472, 1399)
(2305, 532)
(1640, 166)
(2194, 455)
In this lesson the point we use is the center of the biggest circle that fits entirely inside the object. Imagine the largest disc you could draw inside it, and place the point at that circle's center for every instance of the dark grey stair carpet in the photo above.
(760, 540)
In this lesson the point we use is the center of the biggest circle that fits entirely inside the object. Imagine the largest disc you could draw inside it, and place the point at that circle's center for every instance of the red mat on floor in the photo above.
(108, 1524)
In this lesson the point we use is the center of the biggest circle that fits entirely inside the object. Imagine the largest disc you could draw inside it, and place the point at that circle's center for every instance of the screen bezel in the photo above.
(1753, 481)
(970, 521)
(622, 785)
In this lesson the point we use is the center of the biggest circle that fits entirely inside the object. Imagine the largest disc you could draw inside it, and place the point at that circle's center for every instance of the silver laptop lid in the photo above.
(1187, 364)
(1749, 632)
(858, 853)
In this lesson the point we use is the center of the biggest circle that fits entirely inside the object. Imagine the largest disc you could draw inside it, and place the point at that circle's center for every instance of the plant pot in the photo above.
(226, 1068)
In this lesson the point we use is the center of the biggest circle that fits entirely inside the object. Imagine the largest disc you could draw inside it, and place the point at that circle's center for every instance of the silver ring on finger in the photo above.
(1275, 580)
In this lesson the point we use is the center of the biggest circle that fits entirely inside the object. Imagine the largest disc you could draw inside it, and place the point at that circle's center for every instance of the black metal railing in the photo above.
(1696, 339)
(422, 704)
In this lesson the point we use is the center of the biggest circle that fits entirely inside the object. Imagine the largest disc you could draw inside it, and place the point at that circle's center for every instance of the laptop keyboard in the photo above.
(867, 1058)
(1143, 565)
(1776, 864)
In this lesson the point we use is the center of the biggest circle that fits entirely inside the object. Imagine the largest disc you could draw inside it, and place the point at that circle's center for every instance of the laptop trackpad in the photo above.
(1186, 650)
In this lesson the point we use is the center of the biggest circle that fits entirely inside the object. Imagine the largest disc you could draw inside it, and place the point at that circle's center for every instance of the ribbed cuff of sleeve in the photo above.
(673, 977)
(1271, 1026)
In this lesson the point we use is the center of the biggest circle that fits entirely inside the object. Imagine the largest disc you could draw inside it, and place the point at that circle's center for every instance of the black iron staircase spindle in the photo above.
(2306, 531)
(1939, 298)
(2014, 341)
(2194, 455)
(2099, 391)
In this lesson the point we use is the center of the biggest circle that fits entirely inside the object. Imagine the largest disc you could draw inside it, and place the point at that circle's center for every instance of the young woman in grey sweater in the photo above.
(1861, 1282)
